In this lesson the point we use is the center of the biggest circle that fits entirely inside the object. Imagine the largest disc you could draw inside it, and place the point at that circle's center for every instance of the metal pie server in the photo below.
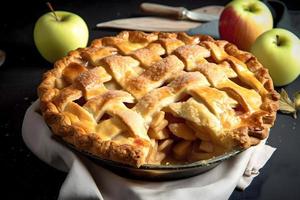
(176, 12)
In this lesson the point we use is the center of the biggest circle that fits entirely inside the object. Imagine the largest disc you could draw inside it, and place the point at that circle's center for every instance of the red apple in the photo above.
(242, 21)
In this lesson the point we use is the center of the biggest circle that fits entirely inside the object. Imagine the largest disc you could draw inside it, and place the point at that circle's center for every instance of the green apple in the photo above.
(278, 50)
(55, 37)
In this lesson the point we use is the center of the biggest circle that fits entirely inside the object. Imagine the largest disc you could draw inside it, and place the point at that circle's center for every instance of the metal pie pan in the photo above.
(157, 172)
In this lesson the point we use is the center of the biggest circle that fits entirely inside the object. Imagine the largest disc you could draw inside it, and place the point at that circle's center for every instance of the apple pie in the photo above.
(155, 98)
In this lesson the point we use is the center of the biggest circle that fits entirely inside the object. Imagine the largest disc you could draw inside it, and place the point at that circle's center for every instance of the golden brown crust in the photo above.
(167, 79)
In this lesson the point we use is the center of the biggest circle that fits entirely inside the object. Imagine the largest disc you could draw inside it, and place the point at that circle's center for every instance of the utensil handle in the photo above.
(162, 10)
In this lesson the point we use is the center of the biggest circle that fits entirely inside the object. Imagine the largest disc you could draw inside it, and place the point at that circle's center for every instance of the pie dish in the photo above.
(158, 98)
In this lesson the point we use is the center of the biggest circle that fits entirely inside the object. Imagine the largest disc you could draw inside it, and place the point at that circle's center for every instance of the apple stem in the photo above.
(52, 10)
(277, 40)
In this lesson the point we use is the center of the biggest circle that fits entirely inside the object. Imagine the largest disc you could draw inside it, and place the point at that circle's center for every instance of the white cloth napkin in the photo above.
(86, 180)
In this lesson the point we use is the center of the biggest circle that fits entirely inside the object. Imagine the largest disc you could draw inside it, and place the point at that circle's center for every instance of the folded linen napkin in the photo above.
(87, 180)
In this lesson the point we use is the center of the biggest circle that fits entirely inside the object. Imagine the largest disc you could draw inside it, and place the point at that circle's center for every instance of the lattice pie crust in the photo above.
(156, 98)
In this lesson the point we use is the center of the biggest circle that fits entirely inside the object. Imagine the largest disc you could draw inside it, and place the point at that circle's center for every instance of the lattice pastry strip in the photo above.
(127, 43)
(199, 114)
(80, 117)
(203, 136)
(192, 55)
(159, 98)
(139, 85)
(123, 68)
(65, 96)
(149, 55)
(97, 106)
(189, 40)
(95, 55)
(170, 44)
(111, 103)
(91, 82)
(240, 68)
(72, 71)
(249, 98)
(110, 128)
(219, 103)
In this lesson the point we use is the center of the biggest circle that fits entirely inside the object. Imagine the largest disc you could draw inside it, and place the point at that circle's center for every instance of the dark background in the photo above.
(24, 176)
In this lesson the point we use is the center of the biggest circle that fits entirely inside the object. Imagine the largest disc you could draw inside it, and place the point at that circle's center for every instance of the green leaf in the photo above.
(297, 100)
(286, 105)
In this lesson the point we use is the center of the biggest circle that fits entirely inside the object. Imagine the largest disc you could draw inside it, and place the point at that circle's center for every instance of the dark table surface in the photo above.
(24, 176)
